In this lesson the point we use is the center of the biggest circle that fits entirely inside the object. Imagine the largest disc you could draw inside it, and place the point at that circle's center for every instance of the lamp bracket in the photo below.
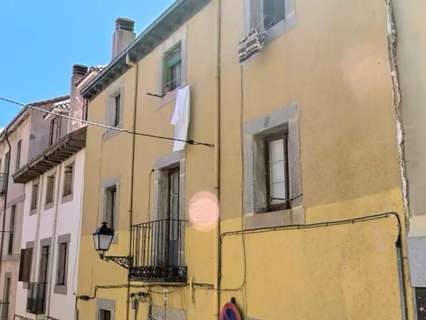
(125, 262)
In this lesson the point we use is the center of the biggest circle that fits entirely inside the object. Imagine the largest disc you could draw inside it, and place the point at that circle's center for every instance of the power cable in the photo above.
(104, 126)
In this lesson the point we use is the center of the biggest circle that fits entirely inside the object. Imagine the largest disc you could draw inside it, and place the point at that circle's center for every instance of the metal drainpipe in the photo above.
(6, 134)
(53, 245)
(218, 155)
(132, 173)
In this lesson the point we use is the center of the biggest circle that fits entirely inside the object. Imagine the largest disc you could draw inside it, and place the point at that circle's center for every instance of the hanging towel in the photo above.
(180, 118)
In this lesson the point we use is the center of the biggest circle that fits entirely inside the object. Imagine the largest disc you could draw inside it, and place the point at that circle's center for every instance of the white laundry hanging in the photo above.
(181, 117)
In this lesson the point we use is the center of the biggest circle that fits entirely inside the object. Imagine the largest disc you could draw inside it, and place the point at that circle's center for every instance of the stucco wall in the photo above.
(334, 65)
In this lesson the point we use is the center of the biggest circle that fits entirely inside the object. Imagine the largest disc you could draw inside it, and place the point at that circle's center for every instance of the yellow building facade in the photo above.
(321, 239)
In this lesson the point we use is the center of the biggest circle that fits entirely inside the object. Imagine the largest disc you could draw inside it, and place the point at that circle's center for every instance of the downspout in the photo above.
(396, 91)
(218, 156)
(6, 188)
(55, 226)
(132, 173)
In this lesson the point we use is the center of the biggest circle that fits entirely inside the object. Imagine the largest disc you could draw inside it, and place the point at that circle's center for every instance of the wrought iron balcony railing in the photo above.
(36, 300)
(158, 251)
(4, 310)
(3, 183)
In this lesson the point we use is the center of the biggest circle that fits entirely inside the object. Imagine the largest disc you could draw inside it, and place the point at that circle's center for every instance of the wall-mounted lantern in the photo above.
(102, 240)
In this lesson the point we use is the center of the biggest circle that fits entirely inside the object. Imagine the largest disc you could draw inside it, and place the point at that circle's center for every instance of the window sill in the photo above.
(60, 289)
(67, 198)
(281, 28)
(168, 98)
(108, 134)
(48, 206)
(289, 217)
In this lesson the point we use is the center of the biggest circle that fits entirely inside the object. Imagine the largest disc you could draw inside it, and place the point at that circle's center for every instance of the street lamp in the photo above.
(102, 240)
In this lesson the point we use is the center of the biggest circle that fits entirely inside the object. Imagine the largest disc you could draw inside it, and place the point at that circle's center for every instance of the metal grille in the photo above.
(158, 251)
(4, 310)
(36, 300)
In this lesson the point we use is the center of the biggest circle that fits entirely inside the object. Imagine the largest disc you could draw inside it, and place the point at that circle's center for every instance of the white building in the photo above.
(53, 181)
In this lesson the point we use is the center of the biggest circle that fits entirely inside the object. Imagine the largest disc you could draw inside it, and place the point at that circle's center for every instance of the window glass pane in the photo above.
(50, 189)
(68, 180)
(277, 171)
(34, 197)
(104, 314)
(273, 12)
(117, 110)
(62, 263)
(172, 69)
(110, 205)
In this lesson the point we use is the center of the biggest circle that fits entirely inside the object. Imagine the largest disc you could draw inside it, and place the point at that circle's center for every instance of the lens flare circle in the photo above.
(204, 211)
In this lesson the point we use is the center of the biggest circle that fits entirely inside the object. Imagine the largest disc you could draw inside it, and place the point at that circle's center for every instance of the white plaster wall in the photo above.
(42, 225)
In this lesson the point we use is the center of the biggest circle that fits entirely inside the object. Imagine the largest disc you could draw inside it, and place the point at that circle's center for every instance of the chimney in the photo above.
(76, 101)
(123, 35)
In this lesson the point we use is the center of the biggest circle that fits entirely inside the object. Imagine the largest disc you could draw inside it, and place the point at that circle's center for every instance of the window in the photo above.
(272, 179)
(18, 155)
(6, 163)
(173, 194)
(273, 12)
(55, 130)
(117, 110)
(11, 229)
(104, 314)
(50, 187)
(421, 303)
(25, 265)
(34, 196)
(68, 180)
(172, 68)
(276, 164)
(110, 206)
(62, 264)
(272, 16)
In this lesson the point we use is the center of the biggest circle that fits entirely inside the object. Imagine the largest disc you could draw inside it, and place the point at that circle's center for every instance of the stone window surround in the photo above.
(66, 238)
(105, 304)
(115, 89)
(168, 161)
(70, 196)
(44, 242)
(179, 36)
(286, 118)
(107, 183)
(280, 28)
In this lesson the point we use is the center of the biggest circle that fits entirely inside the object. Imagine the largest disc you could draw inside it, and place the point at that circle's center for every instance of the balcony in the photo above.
(4, 310)
(3, 183)
(158, 251)
(36, 300)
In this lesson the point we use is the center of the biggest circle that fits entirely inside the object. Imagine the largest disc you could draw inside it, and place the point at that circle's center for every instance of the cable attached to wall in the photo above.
(104, 126)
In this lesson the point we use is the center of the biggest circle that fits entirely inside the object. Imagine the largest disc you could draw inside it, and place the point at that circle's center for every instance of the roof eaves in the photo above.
(146, 42)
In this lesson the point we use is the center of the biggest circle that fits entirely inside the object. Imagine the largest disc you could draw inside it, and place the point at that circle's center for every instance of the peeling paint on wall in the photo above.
(396, 90)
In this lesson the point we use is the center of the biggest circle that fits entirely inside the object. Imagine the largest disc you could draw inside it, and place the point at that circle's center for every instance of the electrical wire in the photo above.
(104, 126)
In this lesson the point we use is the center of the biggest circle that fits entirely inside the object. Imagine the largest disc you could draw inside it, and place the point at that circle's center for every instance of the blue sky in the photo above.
(41, 40)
